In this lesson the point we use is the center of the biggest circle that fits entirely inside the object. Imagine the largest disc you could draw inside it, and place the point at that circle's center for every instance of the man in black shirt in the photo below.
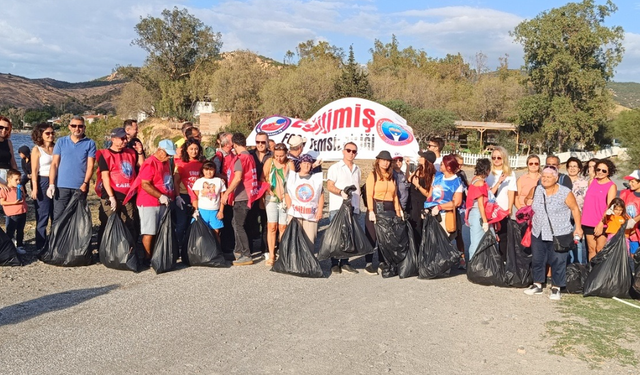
(131, 128)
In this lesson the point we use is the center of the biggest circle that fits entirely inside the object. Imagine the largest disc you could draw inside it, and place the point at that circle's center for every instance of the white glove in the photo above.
(372, 216)
(631, 224)
(196, 213)
(51, 190)
(179, 202)
(112, 203)
(344, 195)
(485, 227)
(609, 212)
(164, 200)
(435, 210)
(402, 215)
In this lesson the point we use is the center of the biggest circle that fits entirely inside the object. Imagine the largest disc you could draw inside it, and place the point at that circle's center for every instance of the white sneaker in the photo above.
(555, 294)
(20, 250)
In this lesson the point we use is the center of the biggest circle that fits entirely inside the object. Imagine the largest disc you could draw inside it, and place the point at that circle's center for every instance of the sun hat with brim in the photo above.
(384, 155)
(635, 175)
(430, 156)
(167, 146)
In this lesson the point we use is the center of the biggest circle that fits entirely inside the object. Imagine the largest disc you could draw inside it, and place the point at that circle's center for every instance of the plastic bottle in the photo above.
(19, 192)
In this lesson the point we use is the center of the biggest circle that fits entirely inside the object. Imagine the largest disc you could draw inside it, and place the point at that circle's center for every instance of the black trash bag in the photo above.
(576, 276)
(437, 255)
(636, 279)
(344, 238)
(295, 255)
(117, 248)
(70, 236)
(392, 239)
(165, 250)
(611, 274)
(518, 272)
(409, 265)
(8, 254)
(203, 248)
(388, 270)
(486, 266)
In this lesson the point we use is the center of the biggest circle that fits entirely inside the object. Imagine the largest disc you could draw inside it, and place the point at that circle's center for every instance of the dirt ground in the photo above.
(246, 320)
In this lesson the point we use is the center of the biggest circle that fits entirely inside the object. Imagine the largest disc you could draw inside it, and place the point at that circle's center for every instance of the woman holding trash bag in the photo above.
(305, 198)
(596, 201)
(446, 194)
(382, 199)
(502, 182)
(420, 181)
(553, 206)
(527, 181)
(187, 171)
(275, 172)
(477, 197)
(43, 137)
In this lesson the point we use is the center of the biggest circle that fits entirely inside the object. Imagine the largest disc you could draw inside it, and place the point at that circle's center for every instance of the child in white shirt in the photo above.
(207, 190)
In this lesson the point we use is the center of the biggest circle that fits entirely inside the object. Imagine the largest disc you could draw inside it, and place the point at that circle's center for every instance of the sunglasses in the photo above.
(602, 170)
(552, 167)
(496, 158)
(351, 150)
(76, 126)
(48, 133)
(534, 163)
(280, 146)
(431, 146)
(3, 128)
(261, 142)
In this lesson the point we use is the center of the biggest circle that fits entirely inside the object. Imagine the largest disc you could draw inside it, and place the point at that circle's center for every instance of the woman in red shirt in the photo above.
(186, 172)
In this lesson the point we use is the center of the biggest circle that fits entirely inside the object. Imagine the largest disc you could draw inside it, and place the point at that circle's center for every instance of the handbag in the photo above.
(562, 243)
(450, 221)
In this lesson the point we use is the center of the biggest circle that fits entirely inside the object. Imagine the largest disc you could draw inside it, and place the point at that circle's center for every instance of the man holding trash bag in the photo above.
(71, 166)
(339, 176)
(116, 173)
(154, 186)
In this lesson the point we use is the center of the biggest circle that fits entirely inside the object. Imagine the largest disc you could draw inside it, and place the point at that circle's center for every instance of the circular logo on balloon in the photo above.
(392, 133)
(273, 125)
(304, 193)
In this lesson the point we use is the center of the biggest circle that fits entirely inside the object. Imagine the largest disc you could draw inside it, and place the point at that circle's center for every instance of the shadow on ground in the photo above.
(58, 301)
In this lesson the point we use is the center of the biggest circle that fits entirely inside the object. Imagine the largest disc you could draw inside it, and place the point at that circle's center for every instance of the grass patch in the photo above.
(596, 330)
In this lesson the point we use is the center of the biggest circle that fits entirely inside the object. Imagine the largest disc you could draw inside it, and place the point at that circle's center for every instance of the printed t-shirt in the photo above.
(125, 172)
(160, 176)
(502, 195)
(209, 190)
(189, 172)
(443, 189)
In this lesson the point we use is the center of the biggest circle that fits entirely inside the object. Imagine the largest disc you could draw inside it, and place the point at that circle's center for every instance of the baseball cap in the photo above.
(397, 155)
(296, 141)
(635, 175)
(167, 146)
(118, 133)
(306, 158)
(429, 155)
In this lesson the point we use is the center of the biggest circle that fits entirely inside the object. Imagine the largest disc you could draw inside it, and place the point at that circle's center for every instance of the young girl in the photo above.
(615, 217)
(207, 190)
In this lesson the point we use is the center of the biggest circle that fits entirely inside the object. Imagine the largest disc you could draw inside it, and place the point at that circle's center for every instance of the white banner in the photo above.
(371, 126)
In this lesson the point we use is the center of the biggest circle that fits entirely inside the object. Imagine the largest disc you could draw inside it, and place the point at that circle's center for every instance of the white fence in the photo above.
(520, 161)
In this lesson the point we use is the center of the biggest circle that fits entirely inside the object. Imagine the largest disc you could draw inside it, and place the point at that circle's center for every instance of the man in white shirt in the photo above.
(339, 176)
(435, 145)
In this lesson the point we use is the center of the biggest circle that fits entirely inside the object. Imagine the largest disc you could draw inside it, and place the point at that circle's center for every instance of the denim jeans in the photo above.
(542, 253)
(15, 226)
(475, 231)
(44, 212)
(240, 211)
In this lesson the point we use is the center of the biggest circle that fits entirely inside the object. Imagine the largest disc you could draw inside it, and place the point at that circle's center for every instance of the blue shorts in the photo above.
(633, 247)
(210, 217)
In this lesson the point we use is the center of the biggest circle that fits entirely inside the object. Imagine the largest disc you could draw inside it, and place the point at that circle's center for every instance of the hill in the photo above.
(23, 92)
(626, 94)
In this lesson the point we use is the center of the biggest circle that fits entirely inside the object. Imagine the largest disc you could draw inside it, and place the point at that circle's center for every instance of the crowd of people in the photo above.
(245, 195)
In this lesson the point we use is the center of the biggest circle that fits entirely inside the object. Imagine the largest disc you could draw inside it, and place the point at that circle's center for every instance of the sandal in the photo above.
(269, 262)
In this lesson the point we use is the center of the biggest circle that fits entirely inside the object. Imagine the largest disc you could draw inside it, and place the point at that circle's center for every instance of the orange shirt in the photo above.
(382, 191)
(614, 223)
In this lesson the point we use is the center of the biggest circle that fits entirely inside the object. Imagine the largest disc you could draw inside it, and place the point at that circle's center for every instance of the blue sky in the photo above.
(75, 40)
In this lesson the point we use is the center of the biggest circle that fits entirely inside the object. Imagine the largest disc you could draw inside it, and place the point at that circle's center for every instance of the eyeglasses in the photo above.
(602, 170)
(552, 167)
(261, 142)
(496, 158)
(351, 150)
(431, 146)
(76, 126)
(534, 163)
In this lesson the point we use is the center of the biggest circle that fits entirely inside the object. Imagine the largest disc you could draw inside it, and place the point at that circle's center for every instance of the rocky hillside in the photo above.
(36, 93)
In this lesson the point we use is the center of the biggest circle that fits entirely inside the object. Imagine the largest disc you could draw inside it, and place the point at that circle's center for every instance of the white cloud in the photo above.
(629, 68)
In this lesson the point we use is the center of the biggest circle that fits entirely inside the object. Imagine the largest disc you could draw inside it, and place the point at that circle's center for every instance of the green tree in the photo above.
(625, 128)
(353, 82)
(312, 50)
(569, 56)
(178, 45)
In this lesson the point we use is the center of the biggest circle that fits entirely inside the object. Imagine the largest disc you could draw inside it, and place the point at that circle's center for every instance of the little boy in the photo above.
(15, 208)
